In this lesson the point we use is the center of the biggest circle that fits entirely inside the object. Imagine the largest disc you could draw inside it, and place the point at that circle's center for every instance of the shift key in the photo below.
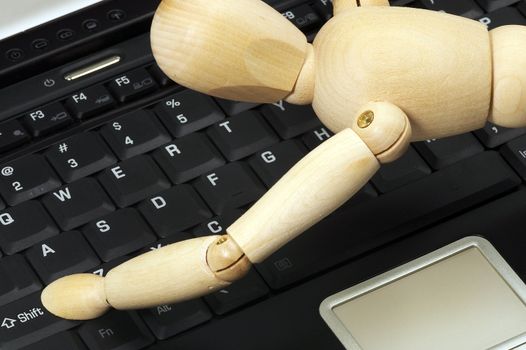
(26, 321)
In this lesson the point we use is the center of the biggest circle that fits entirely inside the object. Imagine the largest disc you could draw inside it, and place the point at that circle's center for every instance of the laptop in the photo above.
(103, 158)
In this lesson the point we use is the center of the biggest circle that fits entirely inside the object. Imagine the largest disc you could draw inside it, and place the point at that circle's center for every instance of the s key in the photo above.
(26, 178)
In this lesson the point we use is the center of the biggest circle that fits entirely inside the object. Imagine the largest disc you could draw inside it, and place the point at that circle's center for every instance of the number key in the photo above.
(26, 178)
(82, 155)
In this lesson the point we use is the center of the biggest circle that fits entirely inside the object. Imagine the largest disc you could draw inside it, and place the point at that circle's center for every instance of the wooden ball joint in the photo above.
(379, 77)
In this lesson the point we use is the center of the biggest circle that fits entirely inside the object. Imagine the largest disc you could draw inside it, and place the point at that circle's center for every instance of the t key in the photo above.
(26, 178)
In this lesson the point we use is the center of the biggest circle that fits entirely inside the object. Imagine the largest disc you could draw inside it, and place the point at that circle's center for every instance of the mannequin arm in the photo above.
(311, 190)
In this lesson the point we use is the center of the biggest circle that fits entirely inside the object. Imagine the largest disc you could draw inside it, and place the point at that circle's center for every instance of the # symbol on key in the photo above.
(8, 171)
(173, 103)
(63, 147)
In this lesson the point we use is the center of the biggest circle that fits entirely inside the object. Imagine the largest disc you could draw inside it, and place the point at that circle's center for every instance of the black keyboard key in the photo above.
(303, 17)
(174, 238)
(78, 203)
(135, 133)
(12, 134)
(26, 321)
(515, 154)
(103, 269)
(62, 255)
(502, 17)
(218, 224)
(66, 340)
(324, 8)
(118, 234)
(316, 137)
(188, 157)
(229, 187)
(90, 102)
(117, 330)
(465, 8)
(79, 156)
(168, 320)
(242, 292)
(47, 119)
(235, 107)
(389, 217)
(242, 135)
(132, 85)
(26, 178)
(24, 225)
(290, 120)
(17, 279)
(133, 180)
(188, 111)
(365, 194)
(492, 5)
(410, 167)
(159, 76)
(493, 136)
(272, 163)
(174, 210)
(444, 152)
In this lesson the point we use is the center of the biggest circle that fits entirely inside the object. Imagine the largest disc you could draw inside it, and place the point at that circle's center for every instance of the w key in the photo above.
(26, 178)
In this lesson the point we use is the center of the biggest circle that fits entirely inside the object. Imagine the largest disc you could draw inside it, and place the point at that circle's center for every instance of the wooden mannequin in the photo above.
(379, 77)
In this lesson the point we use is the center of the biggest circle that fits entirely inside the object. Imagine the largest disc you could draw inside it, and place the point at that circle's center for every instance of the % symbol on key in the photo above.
(173, 103)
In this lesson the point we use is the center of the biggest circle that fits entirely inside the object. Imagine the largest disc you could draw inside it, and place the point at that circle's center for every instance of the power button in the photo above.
(49, 83)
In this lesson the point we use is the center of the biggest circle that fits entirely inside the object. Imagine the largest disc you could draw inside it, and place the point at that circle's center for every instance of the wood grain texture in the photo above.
(303, 92)
(509, 76)
(321, 182)
(76, 297)
(234, 49)
(174, 273)
(374, 3)
(434, 66)
(340, 6)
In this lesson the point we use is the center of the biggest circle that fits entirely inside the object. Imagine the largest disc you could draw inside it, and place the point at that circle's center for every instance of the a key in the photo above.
(133, 180)
(17, 279)
(444, 152)
(174, 210)
(502, 17)
(90, 102)
(132, 85)
(218, 224)
(136, 133)
(47, 119)
(79, 156)
(248, 289)
(159, 76)
(78, 203)
(26, 321)
(12, 134)
(493, 136)
(410, 167)
(118, 234)
(62, 255)
(465, 8)
(231, 186)
(242, 135)
(353, 231)
(24, 225)
(324, 8)
(235, 107)
(188, 157)
(188, 111)
(316, 137)
(290, 120)
(272, 163)
(26, 178)
(168, 320)
(515, 154)
(66, 340)
(117, 330)
(492, 5)
(303, 17)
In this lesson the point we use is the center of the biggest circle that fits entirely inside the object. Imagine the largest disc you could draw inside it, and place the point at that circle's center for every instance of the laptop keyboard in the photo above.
(133, 162)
